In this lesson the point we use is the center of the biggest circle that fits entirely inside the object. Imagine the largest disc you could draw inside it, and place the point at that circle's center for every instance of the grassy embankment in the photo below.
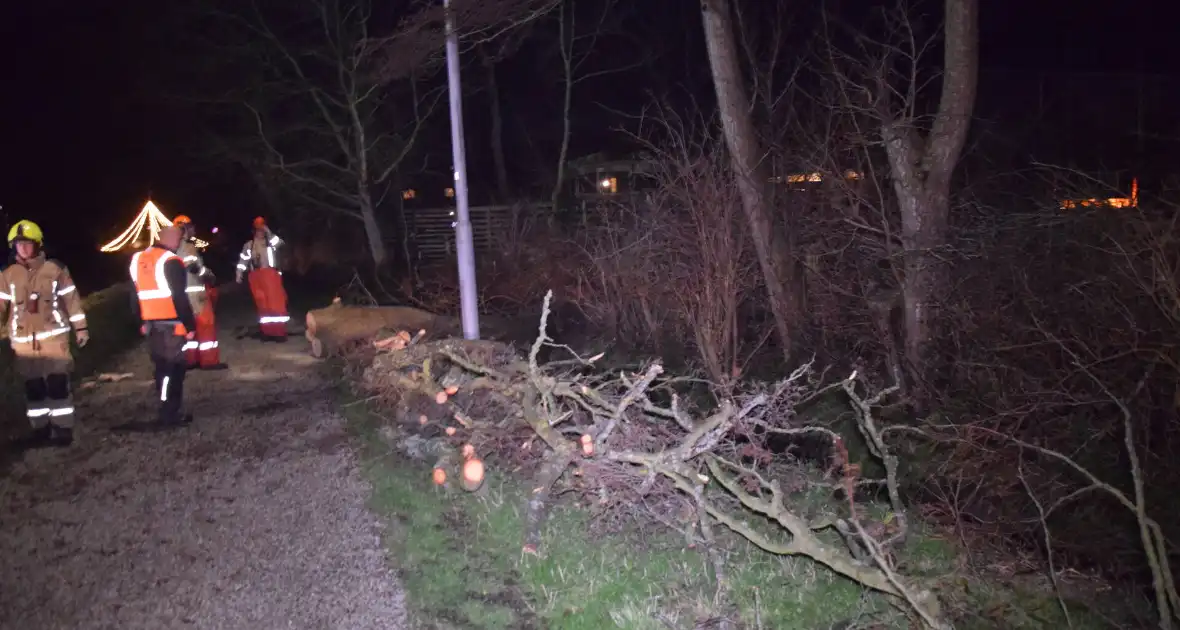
(460, 558)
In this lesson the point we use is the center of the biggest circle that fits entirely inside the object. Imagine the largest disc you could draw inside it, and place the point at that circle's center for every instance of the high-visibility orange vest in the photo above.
(151, 286)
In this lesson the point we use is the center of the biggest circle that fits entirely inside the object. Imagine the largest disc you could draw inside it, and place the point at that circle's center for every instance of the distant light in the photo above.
(1112, 202)
(799, 178)
(214, 230)
(604, 183)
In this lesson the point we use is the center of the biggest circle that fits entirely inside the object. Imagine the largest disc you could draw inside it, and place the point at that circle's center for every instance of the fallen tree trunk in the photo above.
(330, 329)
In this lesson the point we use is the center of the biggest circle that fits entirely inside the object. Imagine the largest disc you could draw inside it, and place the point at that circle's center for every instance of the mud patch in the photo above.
(303, 399)
(268, 408)
(329, 444)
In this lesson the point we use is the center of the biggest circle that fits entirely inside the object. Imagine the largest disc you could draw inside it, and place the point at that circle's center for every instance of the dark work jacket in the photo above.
(177, 277)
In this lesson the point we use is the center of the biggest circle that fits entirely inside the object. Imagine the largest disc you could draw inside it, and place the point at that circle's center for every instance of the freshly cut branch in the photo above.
(616, 431)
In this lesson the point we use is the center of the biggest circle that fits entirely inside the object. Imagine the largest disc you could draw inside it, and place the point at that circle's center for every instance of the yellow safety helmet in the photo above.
(25, 230)
(182, 219)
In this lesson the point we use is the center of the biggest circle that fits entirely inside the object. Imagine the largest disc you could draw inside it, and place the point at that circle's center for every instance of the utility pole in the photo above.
(1139, 76)
(469, 306)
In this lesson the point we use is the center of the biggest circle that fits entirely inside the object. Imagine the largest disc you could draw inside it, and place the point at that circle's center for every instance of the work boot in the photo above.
(61, 436)
(37, 438)
(179, 420)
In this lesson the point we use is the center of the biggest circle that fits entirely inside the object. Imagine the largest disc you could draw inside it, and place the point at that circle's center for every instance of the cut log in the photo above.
(330, 329)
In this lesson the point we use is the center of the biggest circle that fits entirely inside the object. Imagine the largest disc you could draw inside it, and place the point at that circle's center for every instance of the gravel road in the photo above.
(253, 518)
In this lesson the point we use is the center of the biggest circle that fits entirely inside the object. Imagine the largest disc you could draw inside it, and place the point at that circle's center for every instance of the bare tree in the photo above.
(330, 127)
(497, 115)
(879, 111)
(490, 56)
(418, 41)
(576, 47)
(921, 166)
(493, 30)
(774, 253)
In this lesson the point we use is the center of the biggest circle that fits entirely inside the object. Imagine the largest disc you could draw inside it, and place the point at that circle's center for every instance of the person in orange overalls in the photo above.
(260, 259)
(202, 352)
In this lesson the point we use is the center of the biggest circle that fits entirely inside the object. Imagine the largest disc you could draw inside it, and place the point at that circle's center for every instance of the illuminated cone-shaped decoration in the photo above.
(439, 476)
(143, 231)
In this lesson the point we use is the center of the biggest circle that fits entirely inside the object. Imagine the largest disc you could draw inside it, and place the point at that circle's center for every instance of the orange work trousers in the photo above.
(203, 351)
(270, 298)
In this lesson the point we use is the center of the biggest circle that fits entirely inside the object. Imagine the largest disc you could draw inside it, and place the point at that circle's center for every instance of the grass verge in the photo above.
(460, 560)
(459, 557)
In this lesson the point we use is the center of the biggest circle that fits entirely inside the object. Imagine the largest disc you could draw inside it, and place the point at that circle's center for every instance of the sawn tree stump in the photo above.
(329, 329)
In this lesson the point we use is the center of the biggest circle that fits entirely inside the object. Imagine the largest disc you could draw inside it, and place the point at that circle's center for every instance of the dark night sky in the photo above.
(85, 141)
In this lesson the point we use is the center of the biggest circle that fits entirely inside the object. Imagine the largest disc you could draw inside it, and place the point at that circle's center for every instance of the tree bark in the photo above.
(372, 230)
(921, 170)
(775, 257)
(496, 113)
(364, 198)
(404, 241)
(331, 328)
(566, 41)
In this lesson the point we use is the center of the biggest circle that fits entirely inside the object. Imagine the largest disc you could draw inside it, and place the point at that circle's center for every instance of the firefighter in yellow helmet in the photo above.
(39, 307)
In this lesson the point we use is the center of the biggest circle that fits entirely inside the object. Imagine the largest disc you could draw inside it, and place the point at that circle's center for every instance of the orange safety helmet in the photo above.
(259, 222)
(182, 219)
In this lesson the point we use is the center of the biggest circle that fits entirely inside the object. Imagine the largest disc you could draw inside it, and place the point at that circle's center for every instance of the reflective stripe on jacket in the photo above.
(194, 266)
(260, 253)
(151, 286)
(39, 300)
